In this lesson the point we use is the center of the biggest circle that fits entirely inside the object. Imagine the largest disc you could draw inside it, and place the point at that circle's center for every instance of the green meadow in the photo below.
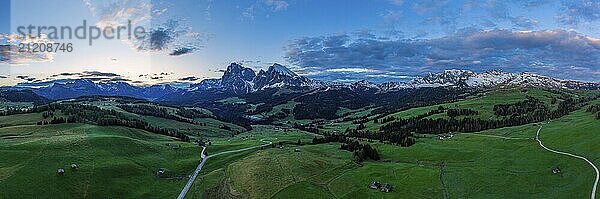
(120, 162)
(113, 162)
(470, 165)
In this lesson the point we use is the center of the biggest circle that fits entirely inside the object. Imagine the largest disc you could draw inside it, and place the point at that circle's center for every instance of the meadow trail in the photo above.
(595, 186)
(199, 168)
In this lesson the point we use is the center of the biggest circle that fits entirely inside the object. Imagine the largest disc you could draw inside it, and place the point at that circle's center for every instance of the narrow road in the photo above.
(195, 174)
(593, 196)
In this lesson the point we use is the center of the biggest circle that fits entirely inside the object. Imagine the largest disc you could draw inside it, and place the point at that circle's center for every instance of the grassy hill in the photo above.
(120, 162)
(497, 163)
(478, 165)
(113, 162)
(483, 103)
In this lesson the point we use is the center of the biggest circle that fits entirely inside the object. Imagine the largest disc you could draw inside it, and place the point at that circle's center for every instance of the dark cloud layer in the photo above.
(182, 51)
(166, 32)
(558, 53)
(191, 78)
(171, 37)
(98, 74)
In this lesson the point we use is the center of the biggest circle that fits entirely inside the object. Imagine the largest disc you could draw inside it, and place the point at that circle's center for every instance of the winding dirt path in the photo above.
(195, 174)
(594, 188)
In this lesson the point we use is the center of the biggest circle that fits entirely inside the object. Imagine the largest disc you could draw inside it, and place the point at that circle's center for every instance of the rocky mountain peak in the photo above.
(238, 79)
(280, 69)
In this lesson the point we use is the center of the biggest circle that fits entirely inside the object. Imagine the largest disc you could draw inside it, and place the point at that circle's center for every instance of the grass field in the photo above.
(193, 130)
(114, 162)
(15, 105)
(483, 103)
(118, 162)
(21, 119)
(479, 165)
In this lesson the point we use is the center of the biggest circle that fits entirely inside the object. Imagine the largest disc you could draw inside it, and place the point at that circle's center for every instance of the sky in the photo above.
(334, 40)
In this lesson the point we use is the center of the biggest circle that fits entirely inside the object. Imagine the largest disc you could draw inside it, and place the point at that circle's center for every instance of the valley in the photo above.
(428, 142)
(300, 99)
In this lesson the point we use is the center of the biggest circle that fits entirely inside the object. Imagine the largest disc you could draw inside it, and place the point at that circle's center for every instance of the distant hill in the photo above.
(22, 96)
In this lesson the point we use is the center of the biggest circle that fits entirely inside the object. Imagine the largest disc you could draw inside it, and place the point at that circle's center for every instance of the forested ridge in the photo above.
(104, 117)
(528, 111)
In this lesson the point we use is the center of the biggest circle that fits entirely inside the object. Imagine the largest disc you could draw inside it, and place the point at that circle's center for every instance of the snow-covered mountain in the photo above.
(206, 84)
(240, 80)
(278, 76)
(85, 87)
(490, 79)
(465, 79)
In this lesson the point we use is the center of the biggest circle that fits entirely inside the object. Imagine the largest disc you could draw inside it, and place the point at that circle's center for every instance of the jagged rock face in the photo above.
(207, 84)
(447, 78)
(277, 76)
(85, 87)
(238, 79)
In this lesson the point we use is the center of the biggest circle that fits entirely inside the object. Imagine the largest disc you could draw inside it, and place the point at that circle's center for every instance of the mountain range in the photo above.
(239, 80)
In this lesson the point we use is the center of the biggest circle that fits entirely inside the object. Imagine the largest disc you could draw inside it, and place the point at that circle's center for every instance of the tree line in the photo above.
(594, 109)
(527, 106)
(103, 117)
(401, 138)
(361, 152)
(539, 113)
(152, 110)
(440, 109)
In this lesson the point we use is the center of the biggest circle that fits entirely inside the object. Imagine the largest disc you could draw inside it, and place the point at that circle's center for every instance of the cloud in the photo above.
(91, 75)
(4, 53)
(276, 5)
(352, 70)
(190, 79)
(397, 2)
(182, 51)
(557, 53)
(264, 6)
(444, 17)
(10, 53)
(164, 34)
(67, 74)
(171, 38)
(96, 74)
(429, 6)
(118, 13)
(533, 3)
(26, 78)
(523, 22)
(392, 17)
(577, 11)
(117, 79)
